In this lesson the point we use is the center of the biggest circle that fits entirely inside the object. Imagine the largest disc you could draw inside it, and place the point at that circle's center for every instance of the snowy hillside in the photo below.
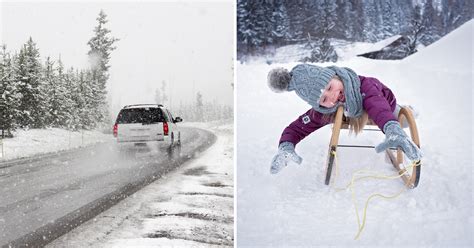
(294, 207)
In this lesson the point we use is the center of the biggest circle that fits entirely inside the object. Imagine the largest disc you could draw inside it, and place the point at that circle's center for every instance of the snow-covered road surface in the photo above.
(42, 200)
(192, 206)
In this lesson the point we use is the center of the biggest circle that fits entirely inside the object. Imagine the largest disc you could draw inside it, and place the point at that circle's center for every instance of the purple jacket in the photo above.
(378, 101)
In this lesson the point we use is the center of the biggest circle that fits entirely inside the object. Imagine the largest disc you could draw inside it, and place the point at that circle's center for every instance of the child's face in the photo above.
(332, 94)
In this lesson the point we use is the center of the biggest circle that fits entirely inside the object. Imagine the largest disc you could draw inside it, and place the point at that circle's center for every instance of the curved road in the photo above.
(42, 200)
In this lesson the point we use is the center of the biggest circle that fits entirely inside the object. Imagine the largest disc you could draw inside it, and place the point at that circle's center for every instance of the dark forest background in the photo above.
(263, 25)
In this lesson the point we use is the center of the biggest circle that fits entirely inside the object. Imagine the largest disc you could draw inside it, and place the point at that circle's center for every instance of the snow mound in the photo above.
(353, 49)
(449, 52)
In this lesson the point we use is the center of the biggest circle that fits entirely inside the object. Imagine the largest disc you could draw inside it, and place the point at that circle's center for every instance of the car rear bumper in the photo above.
(123, 139)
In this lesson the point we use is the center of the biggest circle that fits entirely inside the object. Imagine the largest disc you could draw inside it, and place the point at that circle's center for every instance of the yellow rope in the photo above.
(351, 186)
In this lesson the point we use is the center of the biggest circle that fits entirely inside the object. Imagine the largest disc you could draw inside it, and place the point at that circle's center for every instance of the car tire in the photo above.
(172, 139)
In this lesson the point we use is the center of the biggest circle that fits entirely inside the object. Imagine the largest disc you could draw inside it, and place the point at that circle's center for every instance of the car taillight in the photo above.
(165, 128)
(115, 130)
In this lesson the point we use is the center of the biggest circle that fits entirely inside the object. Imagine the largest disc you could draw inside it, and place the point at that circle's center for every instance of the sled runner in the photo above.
(410, 172)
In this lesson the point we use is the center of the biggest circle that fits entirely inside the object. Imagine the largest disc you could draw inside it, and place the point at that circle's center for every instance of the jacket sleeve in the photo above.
(379, 102)
(303, 126)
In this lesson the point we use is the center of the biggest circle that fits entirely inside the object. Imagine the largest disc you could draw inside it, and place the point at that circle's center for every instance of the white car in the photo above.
(141, 123)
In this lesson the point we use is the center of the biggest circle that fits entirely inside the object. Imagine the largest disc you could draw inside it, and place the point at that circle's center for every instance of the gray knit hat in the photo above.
(309, 81)
(278, 79)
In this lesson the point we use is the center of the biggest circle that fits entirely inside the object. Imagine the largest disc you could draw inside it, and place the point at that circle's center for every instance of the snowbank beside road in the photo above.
(26, 143)
(192, 206)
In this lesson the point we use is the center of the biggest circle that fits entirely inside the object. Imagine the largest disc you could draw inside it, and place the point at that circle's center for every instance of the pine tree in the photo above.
(84, 105)
(70, 110)
(158, 99)
(323, 51)
(344, 28)
(29, 74)
(389, 22)
(417, 31)
(58, 103)
(429, 16)
(304, 18)
(101, 45)
(357, 19)
(49, 87)
(199, 107)
(164, 97)
(281, 24)
(249, 26)
(9, 97)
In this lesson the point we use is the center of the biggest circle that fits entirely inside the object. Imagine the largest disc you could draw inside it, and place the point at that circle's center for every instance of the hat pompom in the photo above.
(278, 79)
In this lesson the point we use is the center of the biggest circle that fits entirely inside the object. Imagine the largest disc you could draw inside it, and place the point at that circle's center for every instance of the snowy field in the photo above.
(190, 207)
(295, 208)
(32, 142)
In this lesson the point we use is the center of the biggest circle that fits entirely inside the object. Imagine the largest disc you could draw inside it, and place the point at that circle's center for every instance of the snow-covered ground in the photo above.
(26, 143)
(344, 49)
(295, 208)
(192, 206)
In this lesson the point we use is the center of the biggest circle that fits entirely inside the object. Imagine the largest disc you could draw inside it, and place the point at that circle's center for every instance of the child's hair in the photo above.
(356, 125)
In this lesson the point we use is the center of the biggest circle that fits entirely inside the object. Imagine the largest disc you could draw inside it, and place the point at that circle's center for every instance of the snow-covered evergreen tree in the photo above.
(164, 96)
(158, 99)
(49, 87)
(59, 102)
(83, 102)
(199, 107)
(322, 50)
(250, 26)
(389, 22)
(101, 45)
(281, 23)
(371, 21)
(417, 28)
(430, 20)
(28, 75)
(344, 27)
(71, 112)
(9, 97)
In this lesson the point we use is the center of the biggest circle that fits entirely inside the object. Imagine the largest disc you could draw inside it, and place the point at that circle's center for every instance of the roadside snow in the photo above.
(192, 206)
(26, 143)
(295, 208)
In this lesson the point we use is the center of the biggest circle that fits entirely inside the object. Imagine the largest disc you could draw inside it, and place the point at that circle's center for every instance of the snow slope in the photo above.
(295, 208)
(190, 207)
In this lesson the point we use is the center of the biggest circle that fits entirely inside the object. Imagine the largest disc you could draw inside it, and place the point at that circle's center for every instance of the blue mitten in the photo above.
(286, 152)
(396, 137)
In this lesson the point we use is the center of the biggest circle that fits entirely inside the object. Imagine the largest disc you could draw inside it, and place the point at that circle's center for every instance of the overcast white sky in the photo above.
(189, 44)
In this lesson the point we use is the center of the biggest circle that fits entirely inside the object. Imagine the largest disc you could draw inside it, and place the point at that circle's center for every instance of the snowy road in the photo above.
(42, 200)
(189, 207)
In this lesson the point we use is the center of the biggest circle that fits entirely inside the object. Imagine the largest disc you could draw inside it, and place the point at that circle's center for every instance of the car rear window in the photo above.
(140, 115)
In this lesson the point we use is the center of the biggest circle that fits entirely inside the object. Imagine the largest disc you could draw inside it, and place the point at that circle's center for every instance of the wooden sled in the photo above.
(411, 174)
